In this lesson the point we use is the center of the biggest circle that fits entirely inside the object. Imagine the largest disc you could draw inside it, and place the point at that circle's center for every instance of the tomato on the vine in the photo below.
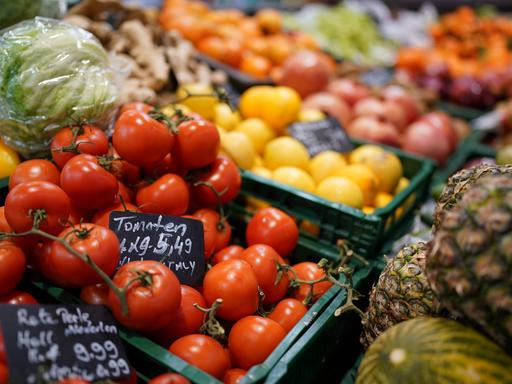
(167, 165)
(169, 378)
(273, 227)
(197, 144)
(203, 352)
(168, 195)
(78, 215)
(88, 139)
(99, 243)
(153, 295)
(228, 253)
(12, 266)
(37, 197)
(309, 271)
(264, 262)
(18, 298)
(126, 172)
(35, 170)
(223, 175)
(87, 183)
(96, 294)
(234, 376)
(102, 216)
(288, 312)
(141, 139)
(236, 284)
(252, 339)
(188, 319)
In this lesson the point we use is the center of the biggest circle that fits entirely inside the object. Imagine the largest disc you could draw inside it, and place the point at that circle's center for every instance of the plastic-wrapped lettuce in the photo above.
(52, 74)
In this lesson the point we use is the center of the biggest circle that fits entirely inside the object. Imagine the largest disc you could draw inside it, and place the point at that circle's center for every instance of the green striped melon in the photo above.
(434, 351)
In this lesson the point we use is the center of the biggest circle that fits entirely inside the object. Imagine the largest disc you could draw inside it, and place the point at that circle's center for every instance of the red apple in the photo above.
(371, 106)
(370, 128)
(443, 123)
(424, 139)
(348, 90)
(331, 105)
(401, 96)
(395, 114)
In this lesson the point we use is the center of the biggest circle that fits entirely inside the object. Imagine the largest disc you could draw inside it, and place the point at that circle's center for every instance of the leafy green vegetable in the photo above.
(52, 74)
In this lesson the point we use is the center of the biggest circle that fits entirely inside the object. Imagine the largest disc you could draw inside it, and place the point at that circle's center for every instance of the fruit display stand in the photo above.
(339, 222)
(150, 359)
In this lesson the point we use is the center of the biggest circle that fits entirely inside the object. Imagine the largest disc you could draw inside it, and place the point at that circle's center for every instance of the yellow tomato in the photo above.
(363, 177)
(262, 171)
(170, 110)
(203, 103)
(286, 151)
(384, 164)
(308, 115)
(382, 199)
(294, 177)
(225, 117)
(281, 108)
(341, 190)
(8, 160)
(258, 131)
(239, 147)
(258, 161)
(325, 164)
(402, 184)
(251, 101)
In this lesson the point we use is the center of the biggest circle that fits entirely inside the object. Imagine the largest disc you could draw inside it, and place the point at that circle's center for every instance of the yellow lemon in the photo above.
(200, 98)
(239, 147)
(384, 164)
(325, 164)
(294, 177)
(382, 199)
(286, 151)
(281, 108)
(225, 117)
(341, 190)
(402, 184)
(258, 131)
(308, 115)
(363, 177)
(258, 161)
(261, 171)
(170, 110)
(251, 101)
(9, 160)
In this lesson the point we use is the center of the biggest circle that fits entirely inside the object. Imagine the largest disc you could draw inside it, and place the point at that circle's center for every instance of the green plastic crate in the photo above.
(336, 221)
(351, 375)
(150, 359)
(460, 111)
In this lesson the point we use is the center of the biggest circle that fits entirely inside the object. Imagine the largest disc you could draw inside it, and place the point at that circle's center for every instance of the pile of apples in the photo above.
(390, 115)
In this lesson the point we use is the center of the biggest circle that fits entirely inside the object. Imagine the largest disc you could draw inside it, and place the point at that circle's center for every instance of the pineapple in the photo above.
(469, 265)
(459, 182)
(401, 293)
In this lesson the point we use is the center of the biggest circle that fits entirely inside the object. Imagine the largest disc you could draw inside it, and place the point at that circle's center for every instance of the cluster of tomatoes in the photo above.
(55, 220)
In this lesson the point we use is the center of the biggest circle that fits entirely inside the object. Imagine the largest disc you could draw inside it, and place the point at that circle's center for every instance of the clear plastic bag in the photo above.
(52, 74)
(14, 11)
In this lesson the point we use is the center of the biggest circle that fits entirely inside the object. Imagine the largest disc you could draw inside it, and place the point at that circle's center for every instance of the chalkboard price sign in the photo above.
(323, 135)
(176, 241)
(47, 343)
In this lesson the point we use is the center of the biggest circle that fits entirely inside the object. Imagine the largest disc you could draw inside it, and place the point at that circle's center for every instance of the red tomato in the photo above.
(122, 169)
(132, 379)
(188, 319)
(228, 253)
(12, 266)
(136, 105)
(234, 376)
(99, 243)
(209, 236)
(96, 294)
(263, 260)
(236, 284)
(197, 144)
(167, 165)
(252, 339)
(153, 300)
(34, 170)
(18, 298)
(4, 374)
(24, 199)
(140, 139)
(287, 313)
(309, 271)
(273, 227)
(222, 230)
(87, 183)
(125, 193)
(73, 381)
(168, 195)
(3, 356)
(102, 216)
(169, 378)
(39, 257)
(89, 139)
(78, 215)
(19, 241)
(224, 176)
(203, 352)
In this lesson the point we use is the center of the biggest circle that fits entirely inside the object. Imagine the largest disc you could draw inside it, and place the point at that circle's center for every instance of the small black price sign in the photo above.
(176, 241)
(46, 343)
(323, 135)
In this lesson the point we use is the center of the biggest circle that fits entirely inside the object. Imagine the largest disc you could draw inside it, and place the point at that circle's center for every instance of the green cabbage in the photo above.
(52, 74)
